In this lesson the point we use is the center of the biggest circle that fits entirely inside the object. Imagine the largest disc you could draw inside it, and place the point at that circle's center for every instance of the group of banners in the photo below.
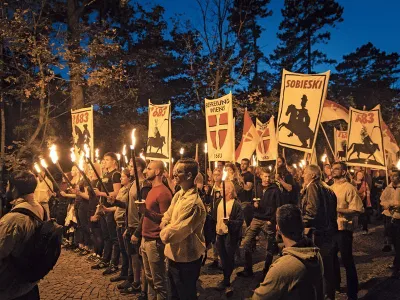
(368, 141)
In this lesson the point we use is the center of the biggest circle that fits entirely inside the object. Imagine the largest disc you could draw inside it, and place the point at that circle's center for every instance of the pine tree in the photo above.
(304, 27)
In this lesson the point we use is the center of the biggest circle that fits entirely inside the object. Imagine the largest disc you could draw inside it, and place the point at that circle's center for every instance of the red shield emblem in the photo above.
(218, 127)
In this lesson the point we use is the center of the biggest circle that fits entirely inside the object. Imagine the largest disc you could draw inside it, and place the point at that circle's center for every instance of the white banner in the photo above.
(82, 130)
(159, 134)
(300, 108)
(365, 140)
(220, 129)
(267, 146)
(340, 144)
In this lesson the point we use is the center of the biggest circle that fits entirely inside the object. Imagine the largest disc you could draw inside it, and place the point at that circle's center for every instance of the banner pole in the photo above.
(326, 136)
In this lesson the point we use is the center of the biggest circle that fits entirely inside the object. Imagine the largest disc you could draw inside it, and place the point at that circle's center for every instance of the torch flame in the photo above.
(398, 165)
(73, 156)
(43, 163)
(53, 154)
(97, 153)
(133, 139)
(37, 168)
(181, 151)
(118, 156)
(215, 164)
(141, 155)
(126, 159)
(224, 174)
(86, 150)
(270, 168)
(124, 150)
(323, 158)
(205, 148)
(301, 165)
(295, 166)
(303, 162)
(254, 161)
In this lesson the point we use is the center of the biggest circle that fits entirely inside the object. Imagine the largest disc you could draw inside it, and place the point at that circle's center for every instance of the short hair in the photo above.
(283, 159)
(159, 165)
(189, 165)
(342, 164)
(290, 222)
(316, 170)
(112, 155)
(232, 166)
(140, 163)
(24, 183)
(246, 160)
(264, 170)
(127, 172)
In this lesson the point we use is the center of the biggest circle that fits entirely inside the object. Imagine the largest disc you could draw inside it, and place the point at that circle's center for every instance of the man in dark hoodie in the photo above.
(264, 220)
(298, 274)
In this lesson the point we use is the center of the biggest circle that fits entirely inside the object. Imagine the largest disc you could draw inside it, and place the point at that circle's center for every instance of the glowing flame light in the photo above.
(37, 168)
(53, 154)
(124, 150)
(96, 153)
(224, 174)
(295, 166)
(270, 168)
(80, 165)
(141, 155)
(73, 156)
(181, 151)
(254, 161)
(323, 157)
(303, 162)
(118, 156)
(43, 163)
(398, 165)
(205, 148)
(86, 150)
(215, 164)
(126, 159)
(133, 139)
(301, 165)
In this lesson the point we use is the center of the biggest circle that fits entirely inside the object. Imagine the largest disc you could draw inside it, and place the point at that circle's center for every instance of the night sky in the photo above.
(364, 21)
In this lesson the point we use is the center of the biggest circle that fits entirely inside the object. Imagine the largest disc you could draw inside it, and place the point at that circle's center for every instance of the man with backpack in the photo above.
(29, 244)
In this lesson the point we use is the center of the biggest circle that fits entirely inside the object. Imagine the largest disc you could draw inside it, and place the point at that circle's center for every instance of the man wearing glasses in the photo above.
(182, 232)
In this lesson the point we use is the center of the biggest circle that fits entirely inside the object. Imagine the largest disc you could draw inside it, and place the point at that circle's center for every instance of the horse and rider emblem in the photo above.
(158, 140)
(299, 123)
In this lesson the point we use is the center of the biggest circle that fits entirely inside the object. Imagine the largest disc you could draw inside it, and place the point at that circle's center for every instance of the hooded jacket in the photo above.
(297, 275)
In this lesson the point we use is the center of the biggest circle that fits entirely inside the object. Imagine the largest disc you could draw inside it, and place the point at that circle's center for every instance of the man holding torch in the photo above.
(44, 189)
(112, 183)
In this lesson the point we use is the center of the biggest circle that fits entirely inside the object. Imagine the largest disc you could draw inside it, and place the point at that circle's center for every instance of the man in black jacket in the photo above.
(318, 206)
(264, 220)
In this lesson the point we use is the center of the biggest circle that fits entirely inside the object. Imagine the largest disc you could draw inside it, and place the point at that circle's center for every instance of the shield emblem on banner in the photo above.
(218, 125)
(264, 146)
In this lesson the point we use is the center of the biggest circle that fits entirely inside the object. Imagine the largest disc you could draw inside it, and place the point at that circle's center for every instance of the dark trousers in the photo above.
(364, 218)
(183, 278)
(256, 227)
(396, 243)
(226, 252)
(32, 295)
(97, 237)
(111, 247)
(130, 250)
(387, 232)
(247, 208)
(83, 223)
(343, 242)
(124, 254)
(325, 243)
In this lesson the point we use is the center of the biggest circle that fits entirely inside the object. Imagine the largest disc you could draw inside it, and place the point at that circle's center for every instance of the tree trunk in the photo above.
(309, 51)
(74, 12)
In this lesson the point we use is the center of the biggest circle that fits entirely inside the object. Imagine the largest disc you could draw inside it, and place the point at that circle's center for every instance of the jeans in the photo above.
(111, 247)
(396, 243)
(247, 208)
(255, 228)
(154, 268)
(124, 254)
(343, 242)
(183, 277)
(227, 252)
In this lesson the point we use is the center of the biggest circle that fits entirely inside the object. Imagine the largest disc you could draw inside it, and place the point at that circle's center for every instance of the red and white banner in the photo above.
(220, 129)
(300, 109)
(334, 111)
(249, 140)
(340, 138)
(365, 146)
(267, 146)
(82, 130)
(159, 134)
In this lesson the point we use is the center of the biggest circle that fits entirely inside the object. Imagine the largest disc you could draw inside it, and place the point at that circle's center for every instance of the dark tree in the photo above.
(304, 27)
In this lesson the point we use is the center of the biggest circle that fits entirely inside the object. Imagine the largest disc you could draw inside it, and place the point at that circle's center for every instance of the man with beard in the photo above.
(157, 202)
(349, 206)
(263, 221)
(182, 232)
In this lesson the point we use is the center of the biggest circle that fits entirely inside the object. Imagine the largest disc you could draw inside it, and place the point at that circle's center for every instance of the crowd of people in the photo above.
(152, 233)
